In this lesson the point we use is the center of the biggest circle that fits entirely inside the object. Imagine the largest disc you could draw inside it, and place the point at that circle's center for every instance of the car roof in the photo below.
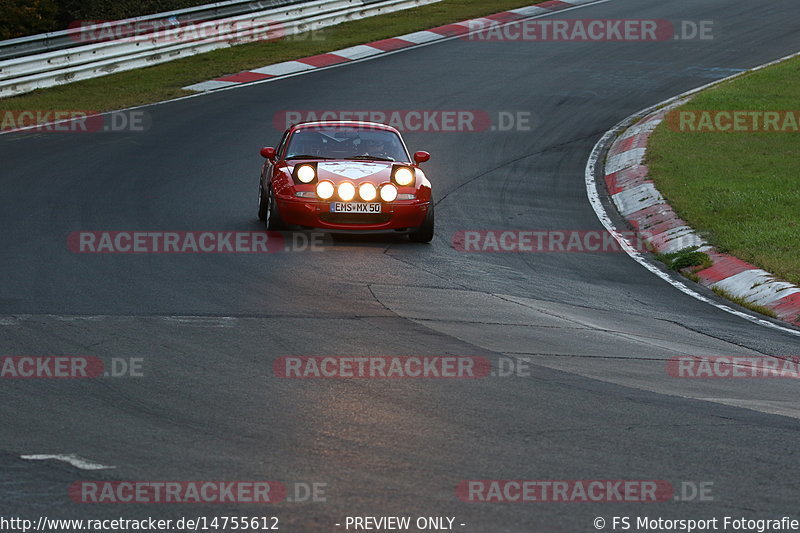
(357, 123)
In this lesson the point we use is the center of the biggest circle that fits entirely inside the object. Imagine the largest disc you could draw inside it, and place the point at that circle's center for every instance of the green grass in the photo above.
(688, 258)
(739, 189)
(744, 303)
(687, 262)
(162, 82)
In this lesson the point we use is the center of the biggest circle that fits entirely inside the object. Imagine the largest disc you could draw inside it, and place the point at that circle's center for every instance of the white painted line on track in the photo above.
(202, 321)
(74, 460)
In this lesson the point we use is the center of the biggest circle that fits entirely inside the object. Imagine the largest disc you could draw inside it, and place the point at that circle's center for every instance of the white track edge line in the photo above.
(72, 459)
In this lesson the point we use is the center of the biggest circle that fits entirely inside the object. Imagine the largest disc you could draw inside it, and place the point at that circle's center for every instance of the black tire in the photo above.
(272, 217)
(262, 204)
(424, 233)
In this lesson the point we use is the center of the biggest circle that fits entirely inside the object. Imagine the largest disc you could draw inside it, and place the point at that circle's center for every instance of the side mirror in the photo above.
(421, 157)
(268, 153)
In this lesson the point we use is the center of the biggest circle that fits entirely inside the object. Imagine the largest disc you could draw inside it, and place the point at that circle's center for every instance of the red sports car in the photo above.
(345, 176)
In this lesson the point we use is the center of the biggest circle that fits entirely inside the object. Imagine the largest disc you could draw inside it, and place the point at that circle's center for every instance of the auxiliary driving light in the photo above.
(388, 192)
(325, 189)
(367, 191)
(306, 173)
(347, 191)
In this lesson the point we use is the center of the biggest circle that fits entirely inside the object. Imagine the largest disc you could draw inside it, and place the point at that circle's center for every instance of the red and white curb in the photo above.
(635, 195)
(385, 46)
(639, 202)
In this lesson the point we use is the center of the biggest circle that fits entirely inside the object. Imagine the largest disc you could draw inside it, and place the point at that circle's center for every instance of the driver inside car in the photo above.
(376, 148)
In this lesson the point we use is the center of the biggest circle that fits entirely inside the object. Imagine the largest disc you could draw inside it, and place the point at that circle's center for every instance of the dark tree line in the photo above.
(28, 17)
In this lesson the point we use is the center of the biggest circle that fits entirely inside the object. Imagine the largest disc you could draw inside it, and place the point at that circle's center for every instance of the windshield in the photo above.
(346, 142)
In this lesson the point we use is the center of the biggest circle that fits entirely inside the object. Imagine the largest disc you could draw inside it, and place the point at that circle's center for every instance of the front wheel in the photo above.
(424, 233)
(262, 204)
(269, 208)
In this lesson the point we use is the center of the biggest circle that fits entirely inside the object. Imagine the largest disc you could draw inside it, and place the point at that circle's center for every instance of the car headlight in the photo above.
(403, 176)
(306, 173)
(388, 192)
(325, 189)
(347, 191)
(367, 191)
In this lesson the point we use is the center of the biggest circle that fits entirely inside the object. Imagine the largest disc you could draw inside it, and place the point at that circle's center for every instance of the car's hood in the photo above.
(354, 170)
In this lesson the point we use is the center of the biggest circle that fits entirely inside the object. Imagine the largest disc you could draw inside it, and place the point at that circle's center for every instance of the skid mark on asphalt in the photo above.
(584, 342)
(554, 147)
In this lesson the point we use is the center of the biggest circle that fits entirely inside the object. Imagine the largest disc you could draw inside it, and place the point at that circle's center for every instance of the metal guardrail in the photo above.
(69, 38)
(64, 65)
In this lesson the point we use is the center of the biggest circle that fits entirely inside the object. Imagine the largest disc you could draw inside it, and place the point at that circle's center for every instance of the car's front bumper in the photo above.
(398, 216)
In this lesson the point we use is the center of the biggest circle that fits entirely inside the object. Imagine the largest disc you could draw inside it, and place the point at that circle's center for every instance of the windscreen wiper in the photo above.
(371, 158)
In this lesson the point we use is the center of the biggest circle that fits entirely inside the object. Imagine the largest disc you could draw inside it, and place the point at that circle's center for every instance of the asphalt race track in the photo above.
(596, 328)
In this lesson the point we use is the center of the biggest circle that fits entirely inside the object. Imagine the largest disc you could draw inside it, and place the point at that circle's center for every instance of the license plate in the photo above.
(355, 207)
